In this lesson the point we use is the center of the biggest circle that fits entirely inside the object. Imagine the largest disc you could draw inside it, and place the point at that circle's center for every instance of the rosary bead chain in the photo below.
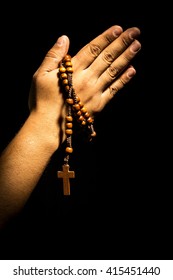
(74, 108)
(79, 110)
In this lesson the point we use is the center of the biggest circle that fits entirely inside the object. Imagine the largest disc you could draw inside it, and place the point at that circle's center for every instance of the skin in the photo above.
(101, 69)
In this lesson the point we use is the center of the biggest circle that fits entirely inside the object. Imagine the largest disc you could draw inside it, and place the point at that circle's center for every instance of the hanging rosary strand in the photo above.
(74, 109)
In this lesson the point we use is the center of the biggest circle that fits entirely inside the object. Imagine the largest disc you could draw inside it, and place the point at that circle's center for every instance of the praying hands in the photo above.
(100, 69)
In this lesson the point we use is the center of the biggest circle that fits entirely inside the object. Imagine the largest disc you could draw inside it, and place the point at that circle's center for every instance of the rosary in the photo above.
(74, 109)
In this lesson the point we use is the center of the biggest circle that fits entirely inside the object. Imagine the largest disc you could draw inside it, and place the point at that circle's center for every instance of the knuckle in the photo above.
(94, 49)
(108, 57)
(113, 90)
(113, 71)
(122, 81)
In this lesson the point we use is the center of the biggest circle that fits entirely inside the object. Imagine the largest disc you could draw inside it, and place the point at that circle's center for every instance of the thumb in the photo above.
(55, 54)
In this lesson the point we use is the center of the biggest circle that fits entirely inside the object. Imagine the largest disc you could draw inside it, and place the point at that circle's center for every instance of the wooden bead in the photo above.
(87, 115)
(70, 101)
(77, 98)
(79, 113)
(62, 69)
(90, 120)
(76, 106)
(81, 118)
(69, 131)
(67, 57)
(84, 122)
(69, 125)
(69, 118)
(69, 150)
(67, 87)
(81, 104)
(65, 81)
(69, 69)
(68, 64)
(83, 109)
(63, 76)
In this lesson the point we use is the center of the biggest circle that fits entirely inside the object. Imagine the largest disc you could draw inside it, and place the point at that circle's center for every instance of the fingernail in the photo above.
(60, 40)
(134, 33)
(136, 46)
(117, 31)
(131, 72)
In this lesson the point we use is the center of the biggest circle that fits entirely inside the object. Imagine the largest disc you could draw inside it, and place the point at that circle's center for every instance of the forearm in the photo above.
(23, 162)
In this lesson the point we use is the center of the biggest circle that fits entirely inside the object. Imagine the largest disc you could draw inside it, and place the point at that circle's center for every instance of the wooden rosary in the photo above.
(75, 109)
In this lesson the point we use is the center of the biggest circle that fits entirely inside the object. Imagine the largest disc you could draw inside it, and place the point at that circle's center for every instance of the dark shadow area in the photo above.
(117, 209)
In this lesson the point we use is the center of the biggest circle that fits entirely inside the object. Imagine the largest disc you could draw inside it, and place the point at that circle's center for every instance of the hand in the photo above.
(101, 69)
(45, 94)
(103, 66)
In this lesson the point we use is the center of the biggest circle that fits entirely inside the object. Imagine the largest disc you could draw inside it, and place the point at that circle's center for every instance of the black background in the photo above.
(117, 209)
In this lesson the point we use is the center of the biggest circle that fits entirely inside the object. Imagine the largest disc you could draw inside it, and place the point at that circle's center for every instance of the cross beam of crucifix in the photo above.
(66, 174)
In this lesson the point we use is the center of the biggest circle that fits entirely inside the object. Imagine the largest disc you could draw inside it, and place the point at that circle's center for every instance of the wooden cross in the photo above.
(66, 175)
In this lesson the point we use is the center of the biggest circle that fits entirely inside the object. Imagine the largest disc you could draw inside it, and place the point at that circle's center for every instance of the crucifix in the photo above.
(66, 174)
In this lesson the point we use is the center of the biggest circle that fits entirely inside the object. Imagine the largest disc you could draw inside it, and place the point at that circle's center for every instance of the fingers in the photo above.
(118, 65)
(117, 51)
(92, 50)
(117, 85)
(105, 48)
(55, 54)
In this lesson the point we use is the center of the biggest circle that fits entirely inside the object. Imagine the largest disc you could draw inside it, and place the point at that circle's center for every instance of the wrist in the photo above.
(49, 127)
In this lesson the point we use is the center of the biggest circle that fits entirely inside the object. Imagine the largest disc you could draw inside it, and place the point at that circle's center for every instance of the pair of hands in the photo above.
(101, 69)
